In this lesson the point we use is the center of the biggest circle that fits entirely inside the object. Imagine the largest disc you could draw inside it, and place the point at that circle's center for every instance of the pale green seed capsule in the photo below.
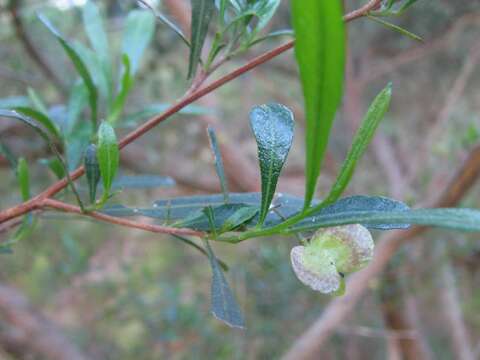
(330, 253)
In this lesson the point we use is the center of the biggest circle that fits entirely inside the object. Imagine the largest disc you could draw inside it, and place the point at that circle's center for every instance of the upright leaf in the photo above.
(92, 170)
(273, 126)
(79, 66)
(125, 86)
(138, 33)
(218, 162)
(364, 135)
(77, 101)
(23, 178)
(95, 30)
(108, 156)
(320, 53)
(202, 12)
(224, 306)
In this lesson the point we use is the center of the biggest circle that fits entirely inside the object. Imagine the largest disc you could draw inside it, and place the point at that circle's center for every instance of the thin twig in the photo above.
(58, 205)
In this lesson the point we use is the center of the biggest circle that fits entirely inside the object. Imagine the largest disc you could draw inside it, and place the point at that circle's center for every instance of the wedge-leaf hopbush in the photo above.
(333, 230)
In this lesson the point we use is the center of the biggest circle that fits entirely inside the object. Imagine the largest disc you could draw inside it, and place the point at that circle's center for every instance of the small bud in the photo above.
(331, 253)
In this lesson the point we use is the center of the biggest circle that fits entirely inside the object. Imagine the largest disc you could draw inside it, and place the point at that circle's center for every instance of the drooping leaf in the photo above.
(25, 229)
(202, 12)
(107, 155)
(126, 85)
(23, 178)
(42, 119)
(79, 66)
(92, 170)
(272, 35)
(363, 137)
(224, 306)
(273, 127)
(142, 182)
(138, 33)
(163, 19)
(320, 53)
(457, 219)
(27, 121)
(218, 162)
(193, 244)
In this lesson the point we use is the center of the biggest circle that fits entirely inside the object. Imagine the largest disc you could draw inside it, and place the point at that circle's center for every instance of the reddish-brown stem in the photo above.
(187, 99)
(58, 205)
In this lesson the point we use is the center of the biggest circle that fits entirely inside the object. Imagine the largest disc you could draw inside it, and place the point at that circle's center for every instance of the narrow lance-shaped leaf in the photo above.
(320, 53)
(457, 219)
(95, 30)
(125, 86)
(364, 135)
(92, 170)
(94, 27)
(41, 118)
(273, 127)
(108, 156)
(138, 33)
(396, 28)
(162, 18)
(218, 162)
(202, 12)
(224, 306)
(40, 131)
(79, 66)
(23, 178)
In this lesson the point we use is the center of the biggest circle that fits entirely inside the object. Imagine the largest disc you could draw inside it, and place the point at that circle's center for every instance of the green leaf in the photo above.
(27, 121)
(138, 33)
(126, 85)
(76, 143)
(23, 178)
(226, 217)
(14, 101)
(202, 12)
(166, 21)
(265, 9)
(8, 155)
(218, 162)
(394, 8)
(37, 101)
(79, 66)
(95, 30)
(142, 182)
(272, 35)
(224, 306)
(25, 229)
(273, 127)
(155, 109)
(42, 118)
(457, 219)
(361, 204)
(92, 171)
(320, 52)
(100, 74)
(108, 156)
(396, 28)
(77, 101)
(55, 165)
(363, 137)
(191, 243)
